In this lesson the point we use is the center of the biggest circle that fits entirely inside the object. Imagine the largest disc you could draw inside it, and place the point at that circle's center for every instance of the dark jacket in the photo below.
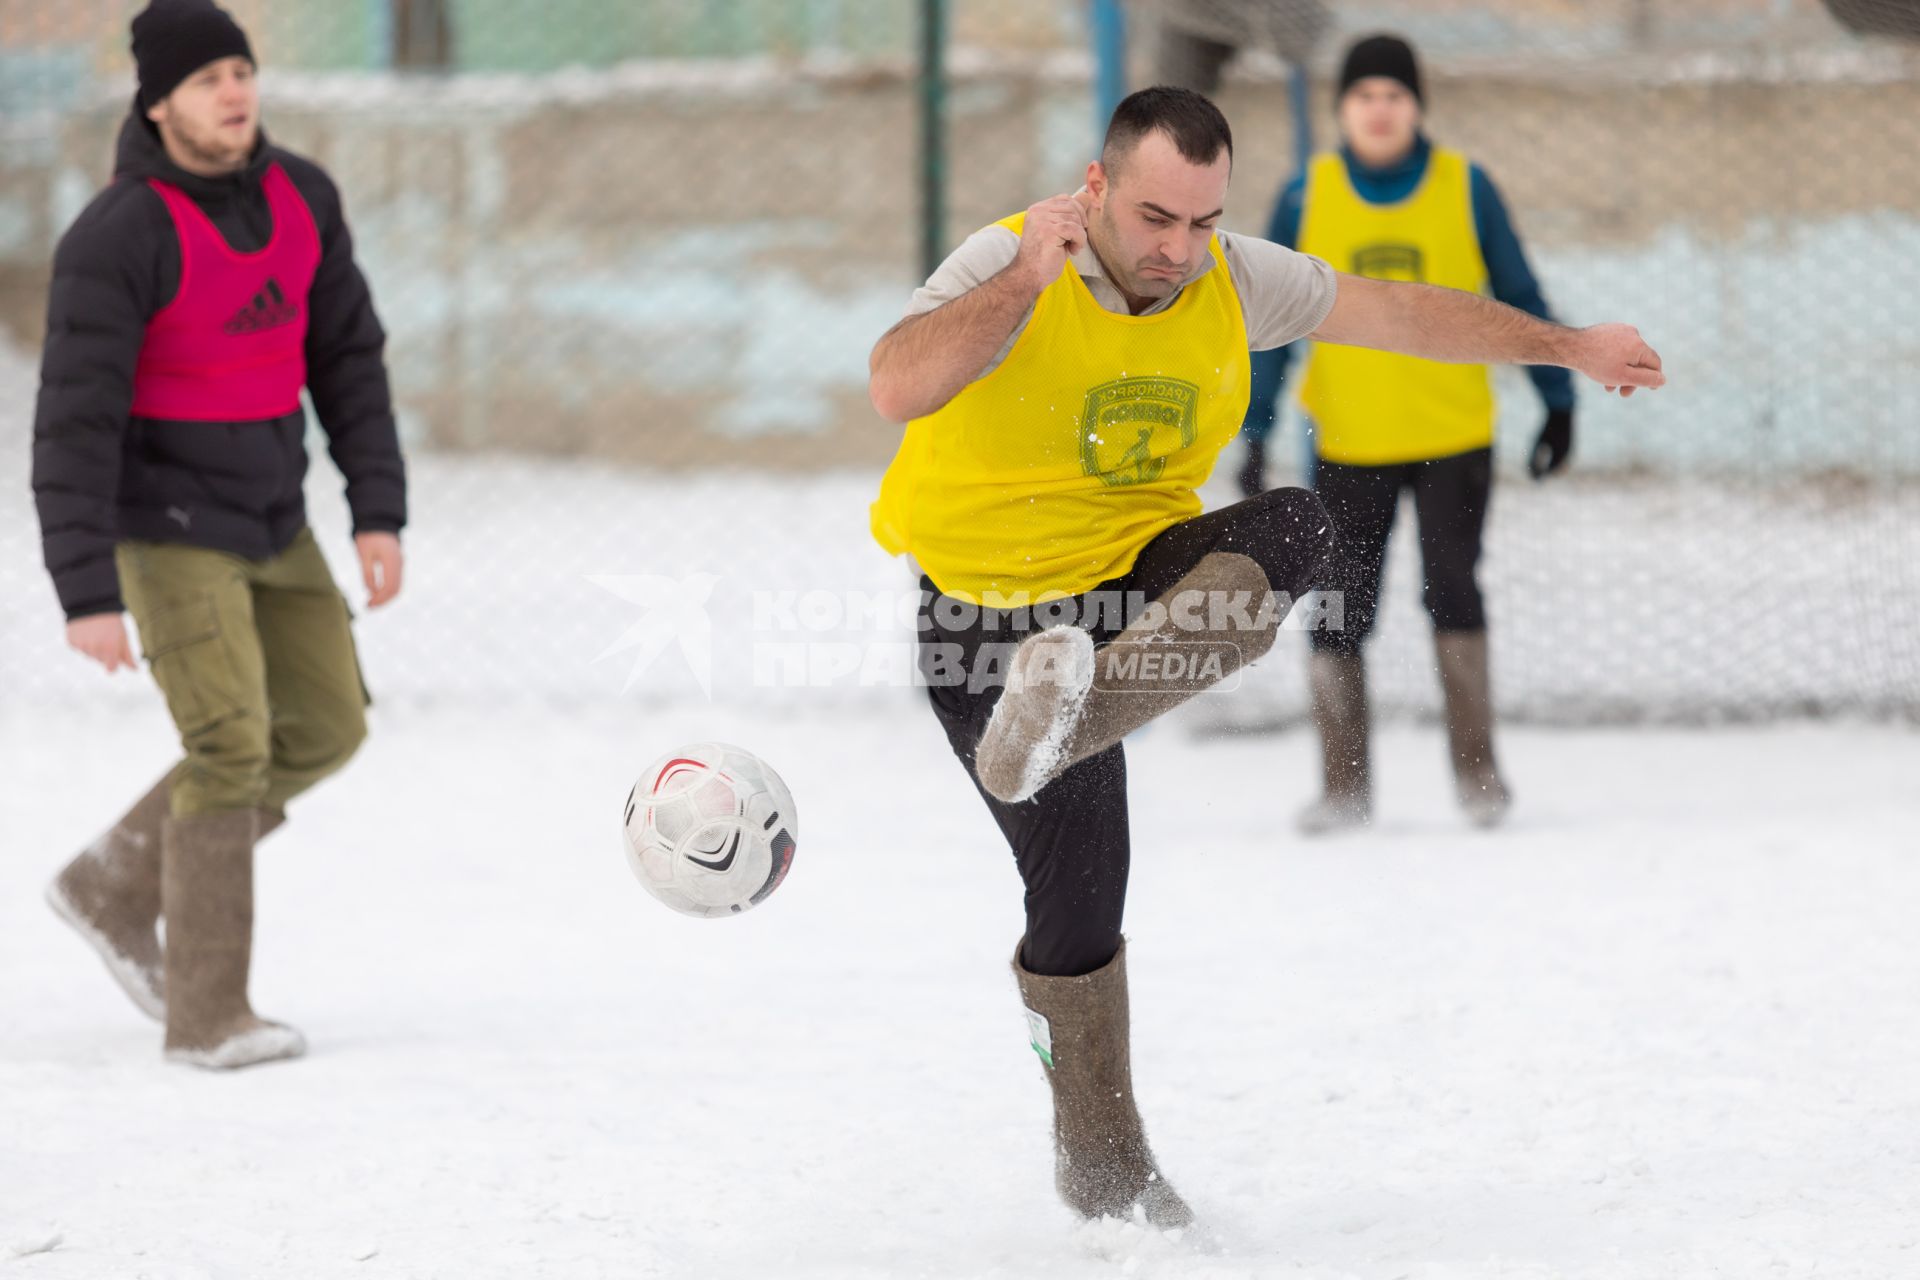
(1509, 277)
(101, 475)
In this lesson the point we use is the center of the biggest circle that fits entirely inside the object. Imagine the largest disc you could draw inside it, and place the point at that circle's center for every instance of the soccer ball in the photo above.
(710, 829)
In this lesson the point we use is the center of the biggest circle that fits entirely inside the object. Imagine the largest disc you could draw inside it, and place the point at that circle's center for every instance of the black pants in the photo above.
(1070, 841)
(1450, 500)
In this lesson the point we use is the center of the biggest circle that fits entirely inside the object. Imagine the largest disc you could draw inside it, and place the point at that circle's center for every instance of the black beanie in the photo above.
(1388, 56)
(172, 39)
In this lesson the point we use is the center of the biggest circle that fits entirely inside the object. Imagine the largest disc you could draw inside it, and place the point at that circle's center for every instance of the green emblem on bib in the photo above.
(1130, 425)
(1391, 262)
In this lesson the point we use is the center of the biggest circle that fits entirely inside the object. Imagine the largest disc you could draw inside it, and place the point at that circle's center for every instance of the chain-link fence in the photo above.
(632, 255)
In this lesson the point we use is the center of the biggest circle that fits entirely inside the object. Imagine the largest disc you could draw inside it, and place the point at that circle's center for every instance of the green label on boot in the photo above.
(1041, 1033)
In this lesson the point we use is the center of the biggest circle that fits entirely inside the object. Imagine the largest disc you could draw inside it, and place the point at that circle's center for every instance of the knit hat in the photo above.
(172, 39)
(1381, 55)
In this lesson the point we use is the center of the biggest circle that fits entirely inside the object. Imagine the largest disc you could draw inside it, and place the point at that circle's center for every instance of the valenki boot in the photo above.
(207, 898)
(110, 894)
(1066, 700)
(1102, 1164)
(1466, 685)
(1340, 713)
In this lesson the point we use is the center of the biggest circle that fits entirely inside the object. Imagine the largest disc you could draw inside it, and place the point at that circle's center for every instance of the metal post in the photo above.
(1298, 88)
(1109, 24)
(1300, 107)
(933, 134)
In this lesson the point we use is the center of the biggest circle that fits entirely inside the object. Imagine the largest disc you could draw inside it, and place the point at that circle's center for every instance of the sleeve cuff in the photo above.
(1325, 306)
(94, 608)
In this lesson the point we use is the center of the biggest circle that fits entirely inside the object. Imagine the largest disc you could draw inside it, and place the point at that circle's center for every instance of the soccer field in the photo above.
(1661, 1025)
(636, 336)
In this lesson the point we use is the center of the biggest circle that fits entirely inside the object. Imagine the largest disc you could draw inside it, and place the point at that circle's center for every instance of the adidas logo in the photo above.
(268, 310)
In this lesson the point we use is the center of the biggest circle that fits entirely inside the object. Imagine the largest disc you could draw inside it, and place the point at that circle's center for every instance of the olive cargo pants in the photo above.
(257, 662)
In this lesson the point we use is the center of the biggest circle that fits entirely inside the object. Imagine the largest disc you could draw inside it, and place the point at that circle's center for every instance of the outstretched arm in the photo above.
(1457, 327)
(1510, 279)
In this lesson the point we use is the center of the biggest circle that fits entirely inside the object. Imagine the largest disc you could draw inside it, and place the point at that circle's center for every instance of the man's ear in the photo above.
(1097, 183)
(157, 111)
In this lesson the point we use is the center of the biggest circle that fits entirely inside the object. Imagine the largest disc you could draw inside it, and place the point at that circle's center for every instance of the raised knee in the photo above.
(1300, 521)
(1301, 506)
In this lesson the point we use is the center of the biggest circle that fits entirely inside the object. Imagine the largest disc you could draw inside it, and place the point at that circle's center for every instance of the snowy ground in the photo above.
(1664, 1025)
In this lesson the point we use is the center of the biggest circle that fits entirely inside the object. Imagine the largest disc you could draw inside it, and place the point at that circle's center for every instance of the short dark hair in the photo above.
(1196, 126)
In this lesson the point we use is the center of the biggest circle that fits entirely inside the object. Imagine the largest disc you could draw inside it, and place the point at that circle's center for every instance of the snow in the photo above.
(1661, 1025)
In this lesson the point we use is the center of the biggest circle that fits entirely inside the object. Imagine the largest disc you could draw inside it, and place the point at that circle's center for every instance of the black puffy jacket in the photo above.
(100, 474)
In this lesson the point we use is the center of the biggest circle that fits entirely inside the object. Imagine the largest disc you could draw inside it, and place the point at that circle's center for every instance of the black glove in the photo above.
(1253, 472)
(1555, 443)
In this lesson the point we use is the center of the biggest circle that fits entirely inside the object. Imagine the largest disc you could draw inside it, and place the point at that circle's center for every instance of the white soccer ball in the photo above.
(710, 829)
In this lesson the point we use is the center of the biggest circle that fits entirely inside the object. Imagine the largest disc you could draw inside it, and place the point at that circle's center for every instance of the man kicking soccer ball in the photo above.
(1068, 377)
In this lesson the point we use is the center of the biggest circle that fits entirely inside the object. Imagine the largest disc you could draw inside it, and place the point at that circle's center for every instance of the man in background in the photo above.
(192, 301)
(1390, 205)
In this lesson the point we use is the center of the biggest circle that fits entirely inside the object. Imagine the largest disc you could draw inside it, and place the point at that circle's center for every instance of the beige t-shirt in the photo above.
(1285, 295)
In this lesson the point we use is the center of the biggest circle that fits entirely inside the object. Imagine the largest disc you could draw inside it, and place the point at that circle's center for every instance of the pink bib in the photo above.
(231, 346)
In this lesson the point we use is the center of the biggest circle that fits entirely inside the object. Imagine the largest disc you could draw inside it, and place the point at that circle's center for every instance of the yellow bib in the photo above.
(1374, 408)
(1047, 477)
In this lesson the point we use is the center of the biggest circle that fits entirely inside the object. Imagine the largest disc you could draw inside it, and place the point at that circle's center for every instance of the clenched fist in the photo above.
(1054, 231)
(1618, 358)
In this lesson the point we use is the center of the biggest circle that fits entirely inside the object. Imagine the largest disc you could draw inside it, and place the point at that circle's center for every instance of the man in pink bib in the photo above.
(192, 302)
